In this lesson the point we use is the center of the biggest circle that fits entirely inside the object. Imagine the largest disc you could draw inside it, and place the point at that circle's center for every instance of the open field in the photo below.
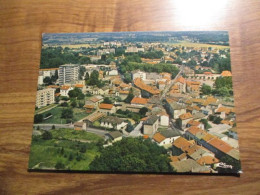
(190, 44)
(56, 115)
(74, 155)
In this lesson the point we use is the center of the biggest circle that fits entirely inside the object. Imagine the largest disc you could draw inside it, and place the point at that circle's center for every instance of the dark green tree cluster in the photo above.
(38, 118)
(76, 93)
(67, 114)
(93, 79)
(152, 54)
(206, 89)
(220, 64)
(130, 96)
(223, 86)
(53, 57)
(135, 116)
(134, 155)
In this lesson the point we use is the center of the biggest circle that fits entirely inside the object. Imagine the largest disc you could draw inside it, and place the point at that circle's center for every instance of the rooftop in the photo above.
(151, 120)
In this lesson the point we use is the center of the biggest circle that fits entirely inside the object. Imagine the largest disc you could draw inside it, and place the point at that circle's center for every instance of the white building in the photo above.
(138, 74)
(134, 49)
(68, 73)
(64, 90)
(45, 97)
(40, 80)
(113, 72)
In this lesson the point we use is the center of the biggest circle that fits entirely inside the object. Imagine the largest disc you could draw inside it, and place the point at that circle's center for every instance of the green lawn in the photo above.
(78, 114)
(45, 154)
(42, 110)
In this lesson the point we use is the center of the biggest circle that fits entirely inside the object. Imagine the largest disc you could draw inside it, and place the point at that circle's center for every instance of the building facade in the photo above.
(45, 97)
(68, 73)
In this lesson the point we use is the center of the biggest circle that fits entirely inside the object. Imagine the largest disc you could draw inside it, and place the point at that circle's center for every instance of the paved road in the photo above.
(47, 127)
(172, 83)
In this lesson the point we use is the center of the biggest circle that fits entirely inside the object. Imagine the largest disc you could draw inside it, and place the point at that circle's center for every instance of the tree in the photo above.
(129, 127)
(132, 154)
(206, 124)
(86, 76)
(205, 89)
(82, 70)
(130, 96)
(38, 118)
(53, 127)
(107, 100)
(67, 113)
(81, 104)
(59, 165)
(46, 135)
(143, 111)
(47, 80)
(93, 80)
(72, 94)
(73, 104)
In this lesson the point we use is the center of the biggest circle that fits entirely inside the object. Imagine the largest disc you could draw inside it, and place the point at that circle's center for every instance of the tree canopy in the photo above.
(134, 155)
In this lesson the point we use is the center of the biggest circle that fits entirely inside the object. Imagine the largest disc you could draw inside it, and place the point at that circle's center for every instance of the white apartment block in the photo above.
(68, 73)
(45, 97)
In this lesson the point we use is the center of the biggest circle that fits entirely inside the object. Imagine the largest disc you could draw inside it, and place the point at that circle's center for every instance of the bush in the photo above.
(59, 165)
(46, 135)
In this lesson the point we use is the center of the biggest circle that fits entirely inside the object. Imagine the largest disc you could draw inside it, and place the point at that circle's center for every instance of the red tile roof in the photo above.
(158, 137)
(106, 106)
(226, 73)
(138, 100)
(185, 116)
(140, 84)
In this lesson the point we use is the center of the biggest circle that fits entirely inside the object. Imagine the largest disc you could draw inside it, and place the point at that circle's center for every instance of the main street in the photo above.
(167, 88)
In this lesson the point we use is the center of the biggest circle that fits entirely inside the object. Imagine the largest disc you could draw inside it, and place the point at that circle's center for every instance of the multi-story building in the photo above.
(45, 97)
(68, 73)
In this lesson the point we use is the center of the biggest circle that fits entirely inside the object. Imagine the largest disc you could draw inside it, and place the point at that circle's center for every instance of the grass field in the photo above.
(56, 115)
(44, 109)
(74, 155)
(190, 44)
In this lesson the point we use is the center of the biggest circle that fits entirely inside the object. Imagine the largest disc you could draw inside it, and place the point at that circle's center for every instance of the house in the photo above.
(175, 109)
(107, 108)
(184, 119)
(101, 91)
(114, 136)
(80, 126)
(195, 133)
(195, 124)
(164, 119)
(166, 137)
(113, 122)
(150, 125)
(223, 112)
(123, 94)
(95, 100)
(138, 101)
(138, 74)
(89, 108)
(65, 89)
(90, 119)
(146, 90)
(189, 166)
(113, 72)
(181, 83)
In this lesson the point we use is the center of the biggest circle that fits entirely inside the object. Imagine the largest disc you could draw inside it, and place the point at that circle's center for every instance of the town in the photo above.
(176, 94)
